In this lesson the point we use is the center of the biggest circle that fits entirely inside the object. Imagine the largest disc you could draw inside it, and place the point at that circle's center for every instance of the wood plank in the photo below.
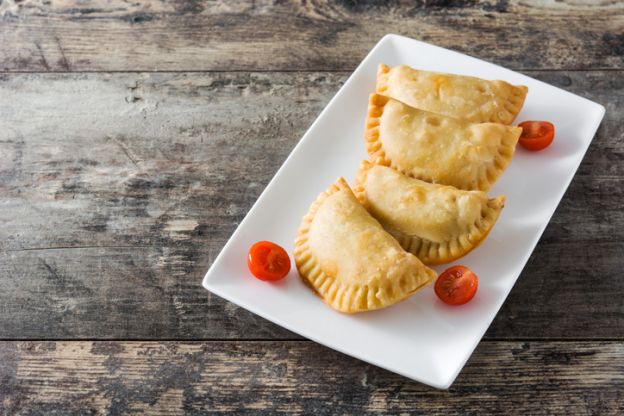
(116, 35)
(301, 378)
(119, 293)
(119, 190)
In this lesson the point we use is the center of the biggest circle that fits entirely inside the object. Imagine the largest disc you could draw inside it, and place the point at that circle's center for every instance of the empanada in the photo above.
(348, 259)
(469, 98)
(437, 148)
(437, 223)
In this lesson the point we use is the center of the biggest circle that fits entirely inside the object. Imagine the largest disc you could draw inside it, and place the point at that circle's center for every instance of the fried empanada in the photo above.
(349, 260)
(437, 223)
(470, 98)
(437, 148)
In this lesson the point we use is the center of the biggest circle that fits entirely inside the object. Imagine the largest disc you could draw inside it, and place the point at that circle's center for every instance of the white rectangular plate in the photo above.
(420, 338)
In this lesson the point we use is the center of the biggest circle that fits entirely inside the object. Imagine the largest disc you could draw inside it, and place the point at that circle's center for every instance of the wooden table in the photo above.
(134, 137)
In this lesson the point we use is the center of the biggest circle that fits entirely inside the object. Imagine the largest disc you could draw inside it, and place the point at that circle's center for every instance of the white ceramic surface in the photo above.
(420, 338)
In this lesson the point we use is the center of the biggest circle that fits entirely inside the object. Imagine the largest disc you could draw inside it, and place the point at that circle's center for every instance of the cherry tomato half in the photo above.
(536, 135)
(457, 285)
(268, 261)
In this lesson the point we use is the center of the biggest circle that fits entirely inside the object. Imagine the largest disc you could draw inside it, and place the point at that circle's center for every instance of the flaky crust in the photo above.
(376, 288)
(432, 252)
(471, 98)
(482, 174)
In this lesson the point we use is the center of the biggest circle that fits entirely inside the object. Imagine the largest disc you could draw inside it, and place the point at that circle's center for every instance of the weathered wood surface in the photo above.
(523, 378)
(39, 35)
(117, 191)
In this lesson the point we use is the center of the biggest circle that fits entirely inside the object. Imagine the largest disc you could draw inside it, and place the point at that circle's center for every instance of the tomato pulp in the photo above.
(536, 135)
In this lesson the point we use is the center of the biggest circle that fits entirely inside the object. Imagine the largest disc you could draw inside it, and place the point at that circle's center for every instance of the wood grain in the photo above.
(117, 35)
(301, 378)
(119, 190)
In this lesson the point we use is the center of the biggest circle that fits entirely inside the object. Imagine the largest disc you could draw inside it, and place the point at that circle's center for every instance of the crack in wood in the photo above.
(126, 152)
(63, 61)
(17, 250)
(44, 62)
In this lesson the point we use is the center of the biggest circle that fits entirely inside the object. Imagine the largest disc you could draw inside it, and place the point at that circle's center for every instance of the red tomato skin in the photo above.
(268, 261)
(536, 135)
(456, 285)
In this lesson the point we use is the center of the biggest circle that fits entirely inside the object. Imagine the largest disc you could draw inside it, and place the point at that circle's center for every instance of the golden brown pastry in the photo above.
(437, 223)
(473, 99)
(437, 148)
(349, 260)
